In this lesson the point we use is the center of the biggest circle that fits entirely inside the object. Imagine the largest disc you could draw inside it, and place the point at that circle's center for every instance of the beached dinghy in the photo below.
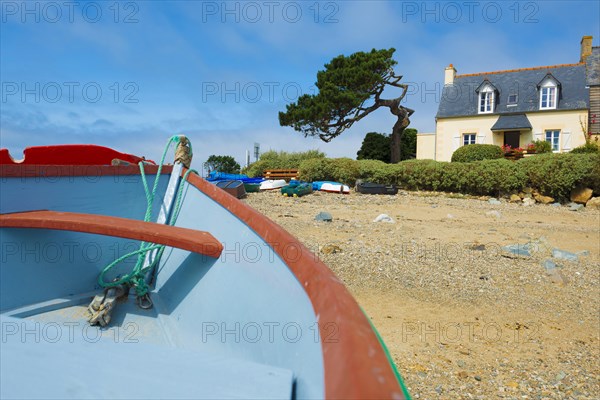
(216, 302)
(331, 187)
(376, 188)
(297, 189)
(271, 184)
(234, 188)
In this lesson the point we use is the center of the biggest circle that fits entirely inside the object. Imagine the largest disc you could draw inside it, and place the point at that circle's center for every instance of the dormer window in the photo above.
(487, 97)
(486, 102)
(512, 100)
(549, 92)
(548, 97)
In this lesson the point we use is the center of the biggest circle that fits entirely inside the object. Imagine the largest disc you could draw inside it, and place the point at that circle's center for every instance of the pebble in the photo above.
(550, 334)
(384, 218)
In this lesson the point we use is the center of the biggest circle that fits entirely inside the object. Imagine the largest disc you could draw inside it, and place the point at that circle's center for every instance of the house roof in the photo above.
(593, 67)
(511, 122)
(460, 98)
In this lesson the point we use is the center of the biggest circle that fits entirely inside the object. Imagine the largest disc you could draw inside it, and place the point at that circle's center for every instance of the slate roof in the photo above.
(460, 98)
(593, 67)
(511, 122)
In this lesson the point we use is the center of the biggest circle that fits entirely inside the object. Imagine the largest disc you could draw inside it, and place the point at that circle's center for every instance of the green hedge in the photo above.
(552, 174)
(587, 148)
(557, 174)
(477, 152)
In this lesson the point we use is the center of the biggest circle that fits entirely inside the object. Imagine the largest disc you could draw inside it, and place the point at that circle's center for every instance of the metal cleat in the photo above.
(103, 304)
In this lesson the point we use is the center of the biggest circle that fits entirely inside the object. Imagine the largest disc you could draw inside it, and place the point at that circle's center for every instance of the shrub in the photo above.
(280, 160)
(344, 170)
(557, 174)
(542, 146)
(552, 174)
(587, 148)
(477, 152)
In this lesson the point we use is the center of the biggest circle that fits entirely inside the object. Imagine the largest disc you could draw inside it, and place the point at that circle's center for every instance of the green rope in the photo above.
(389, 357)
(136, 277)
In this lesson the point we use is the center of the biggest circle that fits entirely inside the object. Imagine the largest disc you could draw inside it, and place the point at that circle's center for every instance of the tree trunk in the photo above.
(398, 130)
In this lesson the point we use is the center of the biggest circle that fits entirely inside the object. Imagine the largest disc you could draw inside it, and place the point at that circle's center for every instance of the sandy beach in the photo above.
(462, 317)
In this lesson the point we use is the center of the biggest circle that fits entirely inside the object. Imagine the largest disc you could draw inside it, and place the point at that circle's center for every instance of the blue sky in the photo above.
(130, 74)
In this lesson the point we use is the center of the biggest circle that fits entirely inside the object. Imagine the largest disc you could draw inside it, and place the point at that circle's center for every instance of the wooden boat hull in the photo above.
(266, 316)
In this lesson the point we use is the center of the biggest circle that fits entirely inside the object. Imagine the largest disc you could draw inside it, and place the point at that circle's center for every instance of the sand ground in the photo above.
(461, 317)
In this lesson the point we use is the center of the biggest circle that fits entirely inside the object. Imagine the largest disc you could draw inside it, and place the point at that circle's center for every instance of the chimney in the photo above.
(449, 74)
(586, 48)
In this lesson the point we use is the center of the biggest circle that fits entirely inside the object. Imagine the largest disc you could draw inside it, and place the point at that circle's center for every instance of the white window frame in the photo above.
(553, 136)
(486, 100)
(469, 138)
(512, 104)
(551, 96)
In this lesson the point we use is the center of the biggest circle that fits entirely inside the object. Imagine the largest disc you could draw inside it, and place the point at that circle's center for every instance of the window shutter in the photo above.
(481, 139)
(566, 141)
(455, 143)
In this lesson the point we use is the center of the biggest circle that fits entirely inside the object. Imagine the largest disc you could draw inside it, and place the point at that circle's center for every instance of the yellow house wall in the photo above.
(448, 129)
(425, 146)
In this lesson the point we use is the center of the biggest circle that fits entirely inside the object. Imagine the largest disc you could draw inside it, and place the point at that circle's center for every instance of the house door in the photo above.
(512, 138)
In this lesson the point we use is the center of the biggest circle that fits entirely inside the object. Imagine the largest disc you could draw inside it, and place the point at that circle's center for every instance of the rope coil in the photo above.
(136, 277)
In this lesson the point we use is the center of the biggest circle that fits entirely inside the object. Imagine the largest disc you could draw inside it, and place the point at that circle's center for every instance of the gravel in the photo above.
(428, 272)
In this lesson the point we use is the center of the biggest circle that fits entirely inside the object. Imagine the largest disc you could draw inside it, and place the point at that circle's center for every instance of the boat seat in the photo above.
(183, 238)
(67, 369)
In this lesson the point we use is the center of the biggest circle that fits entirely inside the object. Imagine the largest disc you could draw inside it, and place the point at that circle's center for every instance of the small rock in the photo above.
(575, 206)
(560, 376)
(384, 218)
(449, 216)
(549, 265)
(439, 389)
(556, 204)
(462, 375)
(584, 253)
(594, 203)
(528, 201)
(543, 199)
(331, 249)
(515, 198)
(494, 214)
(324, 216)
(557, 277)
(477, 378)
(518, 249)
(494, 202)
(565, 255)
(460, 363)
(581, 194)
